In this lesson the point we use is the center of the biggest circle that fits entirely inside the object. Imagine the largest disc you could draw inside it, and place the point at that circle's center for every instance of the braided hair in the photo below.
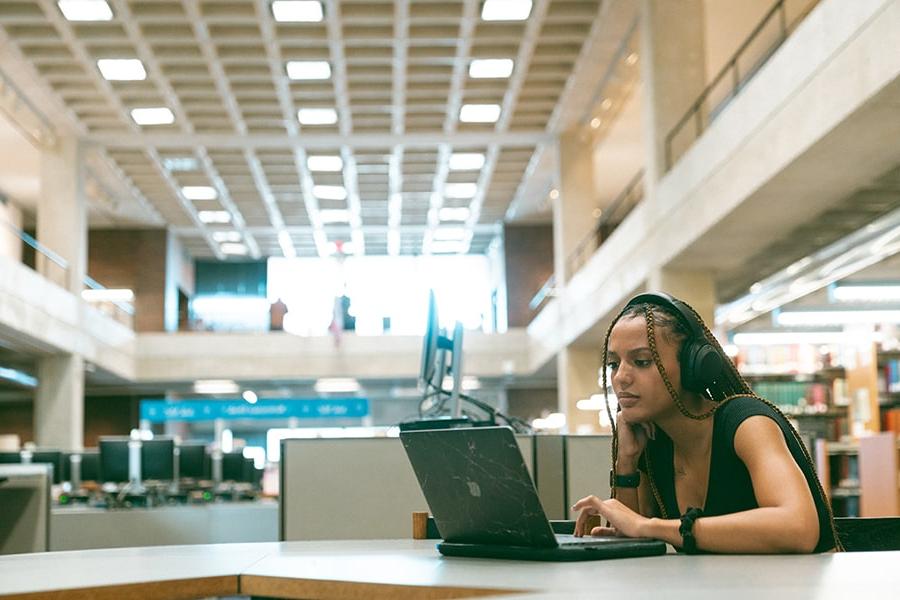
(728, 386)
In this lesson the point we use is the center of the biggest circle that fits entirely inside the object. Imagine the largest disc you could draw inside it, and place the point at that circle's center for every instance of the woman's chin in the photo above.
(634, 415)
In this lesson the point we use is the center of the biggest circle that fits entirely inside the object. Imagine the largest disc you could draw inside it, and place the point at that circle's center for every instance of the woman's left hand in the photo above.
(622, 520)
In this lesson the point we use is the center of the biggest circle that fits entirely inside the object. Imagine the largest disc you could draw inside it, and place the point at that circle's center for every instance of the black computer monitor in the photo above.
(441, 356)
(233, 466)
(113, 459)
(158, 459)
(7, 458)
(51, 457)
(90, 465)
(193, 462)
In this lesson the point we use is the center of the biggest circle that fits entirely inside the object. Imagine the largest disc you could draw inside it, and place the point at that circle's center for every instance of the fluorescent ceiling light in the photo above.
(597, 402)
(466, 161)
(317, 116)
(335, 215)
(216, 386)
(468, 383)
(552, 421)
(337, 385)
(235, 249)
(287, 245)
(324, 164)
(453, 214)
(297, 11)
(300, 70)
(330, 192)
(823, 318)
(250, 396)
(226, 236)
(214, 216)
(793, 338)
(108, 295)
(866, 293)
(479, 113)
(460, 190)
(18, 377)
(180, 164)
(85, 10)
(199, 192)
(449, 233)
(506, 10)
(490, 68)
(448, 247)
(122, 69)
(153, 116)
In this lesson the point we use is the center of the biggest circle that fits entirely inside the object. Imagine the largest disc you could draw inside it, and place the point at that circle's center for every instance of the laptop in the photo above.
(485, 504)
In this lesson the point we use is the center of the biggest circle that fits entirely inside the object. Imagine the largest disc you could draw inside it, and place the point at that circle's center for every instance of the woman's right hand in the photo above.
(632, 438)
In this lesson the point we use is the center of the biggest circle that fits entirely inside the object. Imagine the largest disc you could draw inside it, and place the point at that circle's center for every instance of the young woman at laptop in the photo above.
(699, 461)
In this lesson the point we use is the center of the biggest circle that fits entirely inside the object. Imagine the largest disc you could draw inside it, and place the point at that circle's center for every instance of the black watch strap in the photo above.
(631, 480)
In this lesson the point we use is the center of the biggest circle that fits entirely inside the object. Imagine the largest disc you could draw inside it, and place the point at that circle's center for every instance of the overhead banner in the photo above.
(160, 411)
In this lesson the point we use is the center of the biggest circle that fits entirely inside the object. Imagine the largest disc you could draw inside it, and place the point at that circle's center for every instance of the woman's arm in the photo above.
(786, 520)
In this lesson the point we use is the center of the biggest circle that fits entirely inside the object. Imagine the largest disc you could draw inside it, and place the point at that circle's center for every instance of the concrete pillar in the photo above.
(577, 373)
(62, 214)
(59, 402)
(577, 197)
(10, 218)
(697, 288)
(672, 72)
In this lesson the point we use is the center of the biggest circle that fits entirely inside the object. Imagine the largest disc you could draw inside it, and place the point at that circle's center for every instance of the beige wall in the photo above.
(529, 263)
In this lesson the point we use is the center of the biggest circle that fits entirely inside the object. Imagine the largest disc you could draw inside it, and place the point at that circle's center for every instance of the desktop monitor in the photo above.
(113, 459)
(232, 466)
(90, 465)
(51, 457)
(193, 462)
(10, 458)
(437, 347)
(158, 459)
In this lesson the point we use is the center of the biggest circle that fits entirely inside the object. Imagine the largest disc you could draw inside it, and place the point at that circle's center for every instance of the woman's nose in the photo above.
(621, 376)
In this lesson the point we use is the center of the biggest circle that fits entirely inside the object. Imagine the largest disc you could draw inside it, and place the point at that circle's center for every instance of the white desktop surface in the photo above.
(413, 568)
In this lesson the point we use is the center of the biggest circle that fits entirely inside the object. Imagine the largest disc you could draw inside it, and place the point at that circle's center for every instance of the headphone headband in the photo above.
(682, 311)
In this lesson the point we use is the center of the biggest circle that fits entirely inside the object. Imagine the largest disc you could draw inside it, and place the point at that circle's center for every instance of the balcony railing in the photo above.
(768, 35)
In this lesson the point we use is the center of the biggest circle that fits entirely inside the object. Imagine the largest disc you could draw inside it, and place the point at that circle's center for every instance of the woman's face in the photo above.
(635, 379)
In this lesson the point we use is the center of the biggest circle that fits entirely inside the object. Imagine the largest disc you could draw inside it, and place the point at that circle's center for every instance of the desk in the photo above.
(414, 569)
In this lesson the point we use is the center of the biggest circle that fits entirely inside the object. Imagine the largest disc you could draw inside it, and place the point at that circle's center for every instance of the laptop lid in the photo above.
(477, 486)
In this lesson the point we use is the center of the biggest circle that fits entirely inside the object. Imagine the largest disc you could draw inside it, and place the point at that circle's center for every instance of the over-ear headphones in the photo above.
(701, 362)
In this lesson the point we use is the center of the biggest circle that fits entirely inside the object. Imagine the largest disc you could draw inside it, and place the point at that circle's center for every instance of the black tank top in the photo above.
(730, 489)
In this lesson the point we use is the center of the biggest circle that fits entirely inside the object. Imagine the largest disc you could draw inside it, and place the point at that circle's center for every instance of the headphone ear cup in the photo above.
(701, 365)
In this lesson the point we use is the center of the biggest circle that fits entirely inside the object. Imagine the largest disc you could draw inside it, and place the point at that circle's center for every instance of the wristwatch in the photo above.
(631, 480)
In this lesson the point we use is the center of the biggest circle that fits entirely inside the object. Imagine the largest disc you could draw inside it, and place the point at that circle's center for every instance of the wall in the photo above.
(16, 417)
(529, 263)
(10, 244)
(133, 259)
(531, 403)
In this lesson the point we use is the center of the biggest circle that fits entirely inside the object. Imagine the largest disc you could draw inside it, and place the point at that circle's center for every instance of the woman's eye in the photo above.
(643, 362)
(612, 366)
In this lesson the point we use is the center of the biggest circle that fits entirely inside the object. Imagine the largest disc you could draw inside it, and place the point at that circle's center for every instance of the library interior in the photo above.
(254, 254)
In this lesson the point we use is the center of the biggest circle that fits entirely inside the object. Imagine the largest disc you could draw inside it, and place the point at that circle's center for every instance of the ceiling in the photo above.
(399, 76)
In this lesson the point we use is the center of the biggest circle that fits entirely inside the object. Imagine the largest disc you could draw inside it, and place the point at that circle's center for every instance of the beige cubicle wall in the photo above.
(361, 488)
(588, 462)
(25, 508)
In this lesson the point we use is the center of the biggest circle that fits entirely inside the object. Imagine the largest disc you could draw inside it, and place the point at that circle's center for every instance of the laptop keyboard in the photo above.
(570, 540)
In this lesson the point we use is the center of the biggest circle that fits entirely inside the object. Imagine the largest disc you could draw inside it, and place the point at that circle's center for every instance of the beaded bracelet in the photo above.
(686, 529)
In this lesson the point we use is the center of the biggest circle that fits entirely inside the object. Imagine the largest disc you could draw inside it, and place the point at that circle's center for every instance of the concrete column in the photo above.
(62, 214)
(59, 402)
(672, 72)
(10, 217)
(572, 219)
(697, 288)
(577, 373)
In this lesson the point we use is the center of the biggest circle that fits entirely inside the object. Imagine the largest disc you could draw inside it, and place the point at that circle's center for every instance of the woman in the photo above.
(698, 460)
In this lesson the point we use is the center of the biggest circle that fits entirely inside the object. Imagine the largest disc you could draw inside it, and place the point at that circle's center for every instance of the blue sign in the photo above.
(160, 411)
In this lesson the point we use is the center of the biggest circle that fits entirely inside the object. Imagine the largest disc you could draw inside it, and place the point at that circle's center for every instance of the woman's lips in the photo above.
(627, 400)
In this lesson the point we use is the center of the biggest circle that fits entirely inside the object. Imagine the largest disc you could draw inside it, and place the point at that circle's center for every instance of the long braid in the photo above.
(730, 386)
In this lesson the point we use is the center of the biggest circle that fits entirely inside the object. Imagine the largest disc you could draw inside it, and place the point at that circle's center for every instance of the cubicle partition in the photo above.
(352, 488)
(25, 508)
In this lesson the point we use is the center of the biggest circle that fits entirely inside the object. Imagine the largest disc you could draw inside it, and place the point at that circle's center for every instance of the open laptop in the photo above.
(485, 504)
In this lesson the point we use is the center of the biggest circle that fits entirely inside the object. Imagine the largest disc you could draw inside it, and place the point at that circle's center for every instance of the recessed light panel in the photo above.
(466, 161)
(214, 216)
(85, 10)
(199, 192)
(122, 69)
(300, 70)
(490, 68)
(329, 192)
(317, 116)
(479, 113)
(297, 11)
(153, 116)
(460, 190)
(226, 236)
(324, 164)
(234, 249)
(175, 164)
(506, 10)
